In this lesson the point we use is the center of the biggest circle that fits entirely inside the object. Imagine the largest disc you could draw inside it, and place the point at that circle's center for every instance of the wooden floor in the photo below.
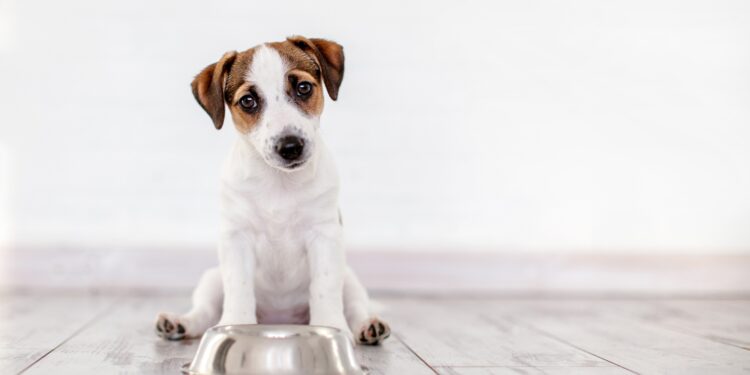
(53, 333)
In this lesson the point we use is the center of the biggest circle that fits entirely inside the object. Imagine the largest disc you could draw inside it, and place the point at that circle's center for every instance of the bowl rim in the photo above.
(274, 331)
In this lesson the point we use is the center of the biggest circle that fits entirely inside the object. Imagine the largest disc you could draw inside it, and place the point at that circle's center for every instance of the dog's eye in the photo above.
(248, 103)
(304, 89)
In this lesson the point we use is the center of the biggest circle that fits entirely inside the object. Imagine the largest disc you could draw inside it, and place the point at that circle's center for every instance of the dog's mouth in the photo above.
(295, 164)
(289, 166)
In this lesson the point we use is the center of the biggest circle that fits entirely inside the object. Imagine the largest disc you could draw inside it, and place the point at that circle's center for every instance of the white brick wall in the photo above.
(571, 125)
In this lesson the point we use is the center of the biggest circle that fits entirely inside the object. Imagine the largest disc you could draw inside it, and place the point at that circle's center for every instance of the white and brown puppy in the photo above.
(281, 258)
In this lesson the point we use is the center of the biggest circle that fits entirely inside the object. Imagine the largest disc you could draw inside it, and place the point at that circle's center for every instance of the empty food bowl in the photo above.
(274, 349)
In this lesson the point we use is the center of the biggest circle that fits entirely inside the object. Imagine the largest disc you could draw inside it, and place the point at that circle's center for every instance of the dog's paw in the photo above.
(373, 332)
(169, 327)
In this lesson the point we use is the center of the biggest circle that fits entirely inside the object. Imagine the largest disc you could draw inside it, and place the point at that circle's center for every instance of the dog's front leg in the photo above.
(327, 267)
(237, 265)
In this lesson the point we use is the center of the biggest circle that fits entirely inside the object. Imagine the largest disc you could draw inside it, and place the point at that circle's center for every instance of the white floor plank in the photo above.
(392, 357)
(32, 326)
(448, 333)
(628, 340)
(722, 321)
(122, 342)
(456, 337)
(532, 371)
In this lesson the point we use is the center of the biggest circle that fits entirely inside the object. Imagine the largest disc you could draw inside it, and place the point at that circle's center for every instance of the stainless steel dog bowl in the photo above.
(274, 349)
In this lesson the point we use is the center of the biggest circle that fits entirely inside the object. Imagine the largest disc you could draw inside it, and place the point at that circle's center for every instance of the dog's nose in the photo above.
(290, 147)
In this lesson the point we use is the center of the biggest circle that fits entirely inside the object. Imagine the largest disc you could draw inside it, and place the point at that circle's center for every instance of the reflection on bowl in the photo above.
(274, 349)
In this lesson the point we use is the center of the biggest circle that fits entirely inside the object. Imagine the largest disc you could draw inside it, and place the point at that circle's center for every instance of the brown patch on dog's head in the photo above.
(330, 57)
(216, 84)
(316, 61)
(303, 67)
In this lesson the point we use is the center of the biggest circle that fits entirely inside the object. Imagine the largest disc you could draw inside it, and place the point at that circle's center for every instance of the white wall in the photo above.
(511, 125)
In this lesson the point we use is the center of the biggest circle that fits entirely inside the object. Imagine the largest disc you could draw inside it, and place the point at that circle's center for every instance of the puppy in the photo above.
(281, 258)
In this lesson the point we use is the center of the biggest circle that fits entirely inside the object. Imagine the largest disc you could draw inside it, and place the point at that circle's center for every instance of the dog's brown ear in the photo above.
(330, 56)
(208, 87)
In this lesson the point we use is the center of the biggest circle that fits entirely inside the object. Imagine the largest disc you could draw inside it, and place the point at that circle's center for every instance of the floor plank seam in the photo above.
(416, 354)
(690, 332)
(86, 325)
(560, 340)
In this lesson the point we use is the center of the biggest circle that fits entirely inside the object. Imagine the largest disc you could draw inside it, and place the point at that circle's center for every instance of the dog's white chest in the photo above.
(277, 215)
(281, 260)
(277, 223)
(282, 275)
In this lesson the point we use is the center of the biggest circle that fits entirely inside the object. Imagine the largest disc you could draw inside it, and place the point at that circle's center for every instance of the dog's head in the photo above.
(274, 92)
